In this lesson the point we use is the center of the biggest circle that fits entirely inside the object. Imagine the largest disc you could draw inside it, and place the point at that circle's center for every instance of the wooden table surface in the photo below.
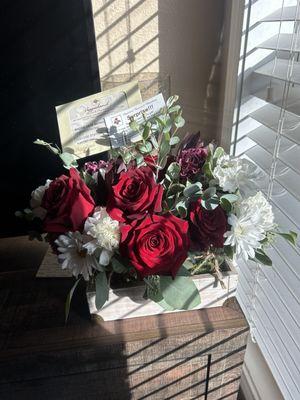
(185, 355)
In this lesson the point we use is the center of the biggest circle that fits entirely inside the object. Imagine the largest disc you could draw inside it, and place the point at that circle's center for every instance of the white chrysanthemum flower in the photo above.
(37, 198)
(237, 173)
(106, 234)
(74, 256)
(252, 220)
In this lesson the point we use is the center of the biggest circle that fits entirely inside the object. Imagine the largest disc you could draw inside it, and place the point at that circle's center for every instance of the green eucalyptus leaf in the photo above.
(171, 100)
(211, 203)
(165, 305)
(145, 148)
(219, 152)
(69, 299)
(290, 237)
(232, 198)
(134, 126)
(262, 258)
(154, 141)
(49, 146)
(174, 140)
(193, 189)
(68, 159)
(102, 289)
(225, 204)
(173, 171)
(174, 109)
(153, 288)
(146, 132)
(209, 193)
(175, 188)
(164, 147)
(117, 266)
(179, 121)
(139, 159)
(229, 251)
(181, 209)
(180, 293)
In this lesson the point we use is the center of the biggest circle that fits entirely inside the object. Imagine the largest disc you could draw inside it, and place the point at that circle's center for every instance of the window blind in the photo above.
(266, 130)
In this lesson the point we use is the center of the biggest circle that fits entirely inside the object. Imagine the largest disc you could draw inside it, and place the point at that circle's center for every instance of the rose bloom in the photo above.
(207, 227)
(191, 161)
(68, 203)
(157, 245)
(135, 195)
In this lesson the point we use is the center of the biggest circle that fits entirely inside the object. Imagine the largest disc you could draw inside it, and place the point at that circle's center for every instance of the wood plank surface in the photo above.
(192, 354)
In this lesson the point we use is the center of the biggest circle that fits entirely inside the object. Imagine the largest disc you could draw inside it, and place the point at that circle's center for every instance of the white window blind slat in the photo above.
(269, 114)
(287, 14)
(267, 132)
(280, 373)
(279, 69)
(282, 41)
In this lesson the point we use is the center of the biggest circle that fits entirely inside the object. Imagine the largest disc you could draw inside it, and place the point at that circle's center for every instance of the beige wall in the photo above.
(175, 38)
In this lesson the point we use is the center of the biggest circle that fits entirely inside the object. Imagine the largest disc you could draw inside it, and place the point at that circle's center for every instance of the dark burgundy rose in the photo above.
(68, 203)
(156, 245)
(191, 161)
(135, 195)
(207, 227)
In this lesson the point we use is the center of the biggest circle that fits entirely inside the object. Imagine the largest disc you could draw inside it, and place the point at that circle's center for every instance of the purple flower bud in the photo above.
(93, 166)
(191, 161)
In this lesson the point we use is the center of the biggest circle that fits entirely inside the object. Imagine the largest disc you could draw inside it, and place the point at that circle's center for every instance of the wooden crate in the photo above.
(129, 302)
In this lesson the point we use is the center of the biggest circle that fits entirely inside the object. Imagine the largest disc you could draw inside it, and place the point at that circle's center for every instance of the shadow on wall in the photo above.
(189, 50)
(171, 46)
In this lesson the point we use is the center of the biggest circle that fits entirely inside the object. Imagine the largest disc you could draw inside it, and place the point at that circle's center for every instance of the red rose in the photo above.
(157, 245)
(135, 195)
(68, 203)
(207, 227)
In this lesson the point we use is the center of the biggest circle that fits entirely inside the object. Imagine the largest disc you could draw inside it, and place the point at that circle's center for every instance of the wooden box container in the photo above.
(129, 302)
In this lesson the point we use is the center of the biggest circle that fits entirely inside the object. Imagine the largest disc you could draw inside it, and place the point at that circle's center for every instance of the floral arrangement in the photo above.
(155, 214)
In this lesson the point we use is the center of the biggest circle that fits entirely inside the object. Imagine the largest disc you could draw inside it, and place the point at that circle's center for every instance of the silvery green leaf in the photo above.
(145, 148)
(118, 266)
(193, 189)
(68, 159)
(261, 257)
(225, 204)
(209, 192)
(175, 188)
(171, 100)
(180, 293)
(146, 132)
(179, 122)
(168, 125)
(217, 154)
(153, 288)
(49, 146)
(181, 209)
(154, 141)
(102, 289)
(229, 251)
(232, 198)
(174, 140)
(290, 237)
(174, 109)
(139, 159)
(173, 171)
(165, 305)
(164, 147)
(69, 299)
(134, 125)
(211, 203)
